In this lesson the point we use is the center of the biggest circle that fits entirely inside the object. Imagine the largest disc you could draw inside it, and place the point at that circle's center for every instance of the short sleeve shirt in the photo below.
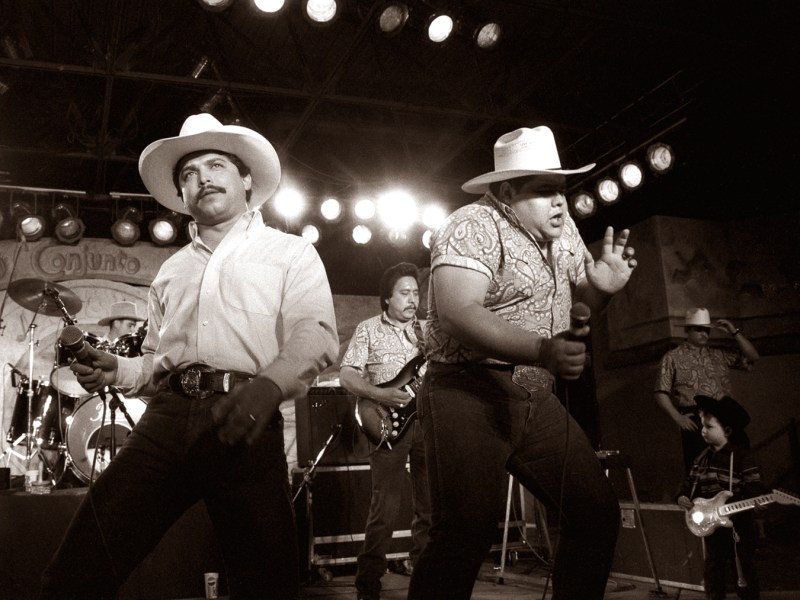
(379, 349)
(524, 288)
(689, 371)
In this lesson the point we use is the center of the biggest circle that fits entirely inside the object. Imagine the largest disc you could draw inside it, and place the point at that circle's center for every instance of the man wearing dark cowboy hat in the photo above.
(240, 320)
(696, 368)
(505, 271)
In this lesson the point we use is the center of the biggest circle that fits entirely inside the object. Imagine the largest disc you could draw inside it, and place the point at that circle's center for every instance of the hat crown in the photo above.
(527, 149)
(698, 316)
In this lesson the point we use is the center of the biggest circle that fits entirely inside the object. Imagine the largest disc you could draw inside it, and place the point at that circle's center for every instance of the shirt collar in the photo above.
(247, 220)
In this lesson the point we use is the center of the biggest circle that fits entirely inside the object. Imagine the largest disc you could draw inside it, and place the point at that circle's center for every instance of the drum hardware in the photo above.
(308, 472)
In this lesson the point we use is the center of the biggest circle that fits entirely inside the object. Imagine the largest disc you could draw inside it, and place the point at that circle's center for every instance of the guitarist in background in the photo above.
(726, 465)
(379, 349)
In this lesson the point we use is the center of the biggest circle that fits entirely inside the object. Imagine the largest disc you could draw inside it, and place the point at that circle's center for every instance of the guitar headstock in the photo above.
(783, 497)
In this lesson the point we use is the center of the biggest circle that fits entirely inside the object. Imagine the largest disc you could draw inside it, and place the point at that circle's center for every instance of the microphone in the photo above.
(579, 316)
(72, 339)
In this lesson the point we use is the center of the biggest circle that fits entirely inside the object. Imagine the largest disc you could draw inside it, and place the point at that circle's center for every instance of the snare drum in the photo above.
(88, 434)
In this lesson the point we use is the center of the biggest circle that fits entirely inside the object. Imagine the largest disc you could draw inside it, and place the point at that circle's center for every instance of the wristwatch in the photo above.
(737, 332)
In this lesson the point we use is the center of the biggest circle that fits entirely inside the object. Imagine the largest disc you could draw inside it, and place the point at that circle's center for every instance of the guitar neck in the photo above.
(735, 507)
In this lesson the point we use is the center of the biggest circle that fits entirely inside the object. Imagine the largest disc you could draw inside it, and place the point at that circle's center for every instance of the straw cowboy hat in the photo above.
(727, 411)
(121, 310)
(522, 153)
(697, 316)
(204, 132)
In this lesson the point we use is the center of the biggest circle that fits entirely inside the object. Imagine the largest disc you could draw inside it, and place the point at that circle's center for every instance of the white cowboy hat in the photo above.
(204, 132)
(121, 310)
(521, 153)
(697, 316)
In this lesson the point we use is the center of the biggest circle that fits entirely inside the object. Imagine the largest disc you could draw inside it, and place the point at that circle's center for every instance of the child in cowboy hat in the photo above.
(726, 465)
(505, 272)
(696, 368)
(240, 320)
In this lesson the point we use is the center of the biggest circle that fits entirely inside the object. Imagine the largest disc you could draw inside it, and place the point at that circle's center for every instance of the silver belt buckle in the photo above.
(190, 382)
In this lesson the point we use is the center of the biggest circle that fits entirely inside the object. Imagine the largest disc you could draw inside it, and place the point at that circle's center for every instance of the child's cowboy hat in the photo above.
(522, 153)
(727, 411)
(204, 132)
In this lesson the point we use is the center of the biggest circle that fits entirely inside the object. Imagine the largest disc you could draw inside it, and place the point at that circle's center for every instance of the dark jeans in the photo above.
(171, 460)
(720, 561)
(388, 470)
(478, 427)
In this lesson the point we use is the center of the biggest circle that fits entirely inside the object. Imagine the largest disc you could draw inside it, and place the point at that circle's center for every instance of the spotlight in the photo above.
(365, 209)
(608, 190)
(269, 6)
(583, 204)
(311, 233)
(320, 12)
(392, 18)
(630, 175)
(126, 230)
(362, 234)
(440, 26)
(331, 209)
(487, 35)
(289, 203)
(660, 157)
(397, 237)
(164, 229)
(215, 5)
(397, 209)
(29, 226)
(433, 216)
(69, 229)
(209, 105)
(426, 238)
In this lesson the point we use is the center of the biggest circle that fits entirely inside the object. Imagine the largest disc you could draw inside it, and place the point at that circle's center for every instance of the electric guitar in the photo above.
(709, 513)
(384, 425)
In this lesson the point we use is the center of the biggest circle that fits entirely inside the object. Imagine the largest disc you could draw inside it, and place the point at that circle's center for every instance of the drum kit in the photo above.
(67, 426)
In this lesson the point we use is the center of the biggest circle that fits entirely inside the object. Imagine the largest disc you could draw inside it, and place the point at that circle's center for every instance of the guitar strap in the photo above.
(420, 337)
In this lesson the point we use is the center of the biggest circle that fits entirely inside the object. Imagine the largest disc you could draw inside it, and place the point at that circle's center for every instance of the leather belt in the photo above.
(201, 381)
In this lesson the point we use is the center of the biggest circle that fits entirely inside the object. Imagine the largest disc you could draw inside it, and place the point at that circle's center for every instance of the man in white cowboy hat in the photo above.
(240, 320)
(122, 319)
(694, 368)
(505, 271)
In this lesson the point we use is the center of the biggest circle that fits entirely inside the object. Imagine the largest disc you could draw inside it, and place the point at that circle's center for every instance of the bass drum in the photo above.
(89, 435)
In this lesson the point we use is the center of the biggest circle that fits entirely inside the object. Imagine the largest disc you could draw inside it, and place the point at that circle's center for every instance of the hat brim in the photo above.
(158, 160)
(107, 320)
(480, 184)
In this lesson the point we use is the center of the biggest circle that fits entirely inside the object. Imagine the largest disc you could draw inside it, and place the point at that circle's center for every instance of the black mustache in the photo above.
(211, 188)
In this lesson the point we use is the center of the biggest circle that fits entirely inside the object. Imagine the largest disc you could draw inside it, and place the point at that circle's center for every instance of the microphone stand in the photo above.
(309, 470)
(115, 403)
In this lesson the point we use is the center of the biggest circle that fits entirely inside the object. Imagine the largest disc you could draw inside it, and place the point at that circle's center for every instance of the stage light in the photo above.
(660, 157)
(487, 35)
(331, 209)
(630, 175)
(433, 216)
(397, 209)
(365, 209)
(29, 226)
(583, 205)
(69, 229)
(362, 234)
(311, 233)
(215, 5)
(289, 203)
(397, 236)
(440, 26)
(126, 230)
(426, 238)
(320, 12)
(200, 66)
(392, 18)
(209, 105)
(164, 229)
(608, 190)
(269, 6)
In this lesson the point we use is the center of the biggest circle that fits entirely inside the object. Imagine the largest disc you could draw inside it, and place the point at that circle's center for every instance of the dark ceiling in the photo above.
(91, 82)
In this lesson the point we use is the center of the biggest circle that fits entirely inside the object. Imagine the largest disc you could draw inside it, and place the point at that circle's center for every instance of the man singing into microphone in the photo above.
(505, 271)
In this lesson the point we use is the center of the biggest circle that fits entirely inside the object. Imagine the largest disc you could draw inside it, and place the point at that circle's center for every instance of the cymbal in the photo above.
(41, 295)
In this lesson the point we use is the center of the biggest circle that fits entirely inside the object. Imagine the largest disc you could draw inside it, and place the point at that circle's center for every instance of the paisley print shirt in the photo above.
(524, 289)
(689, 371)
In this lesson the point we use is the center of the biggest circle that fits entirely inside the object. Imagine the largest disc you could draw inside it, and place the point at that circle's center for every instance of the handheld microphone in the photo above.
(72, 339)
(579, 316)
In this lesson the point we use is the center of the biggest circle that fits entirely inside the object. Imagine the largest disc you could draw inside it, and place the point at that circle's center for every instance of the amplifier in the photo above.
(324, 412)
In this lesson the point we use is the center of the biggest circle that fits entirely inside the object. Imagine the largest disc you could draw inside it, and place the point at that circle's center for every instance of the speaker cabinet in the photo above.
(677, 554)
(332, 514)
